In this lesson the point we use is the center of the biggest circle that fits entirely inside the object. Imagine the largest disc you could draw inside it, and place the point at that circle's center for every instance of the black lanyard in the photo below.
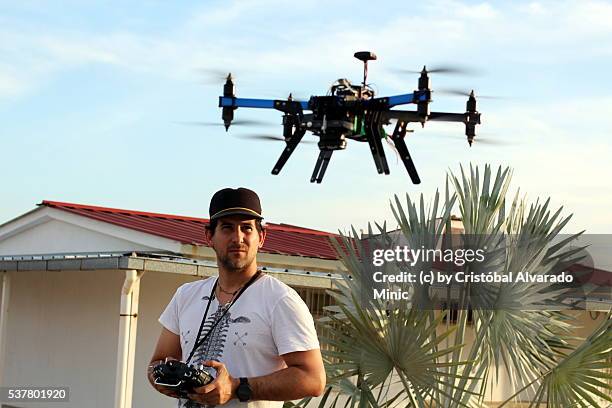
(198, 343)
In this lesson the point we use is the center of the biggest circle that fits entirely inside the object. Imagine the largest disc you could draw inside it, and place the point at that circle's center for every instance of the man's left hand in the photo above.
(218, 392)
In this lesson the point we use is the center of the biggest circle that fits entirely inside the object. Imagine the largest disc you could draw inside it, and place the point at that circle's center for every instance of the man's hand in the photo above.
(170, 392)
(218, 392)
(168, 348)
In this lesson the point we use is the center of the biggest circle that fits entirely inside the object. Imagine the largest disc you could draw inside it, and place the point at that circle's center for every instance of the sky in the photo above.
(96, 99)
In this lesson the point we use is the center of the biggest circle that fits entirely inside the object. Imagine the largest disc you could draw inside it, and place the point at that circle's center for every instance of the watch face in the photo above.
(244, 390)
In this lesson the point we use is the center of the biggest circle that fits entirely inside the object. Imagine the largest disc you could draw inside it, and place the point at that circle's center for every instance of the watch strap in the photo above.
(244, 391)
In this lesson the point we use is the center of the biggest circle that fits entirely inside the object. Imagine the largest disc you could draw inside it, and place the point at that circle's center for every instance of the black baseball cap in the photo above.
(235, 201)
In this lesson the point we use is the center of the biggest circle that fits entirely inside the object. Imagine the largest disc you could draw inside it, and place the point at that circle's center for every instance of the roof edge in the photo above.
(59, 204)
(274, 226)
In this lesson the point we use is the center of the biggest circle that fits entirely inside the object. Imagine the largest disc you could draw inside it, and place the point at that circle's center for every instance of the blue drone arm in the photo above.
(422, 96)
(232, 102)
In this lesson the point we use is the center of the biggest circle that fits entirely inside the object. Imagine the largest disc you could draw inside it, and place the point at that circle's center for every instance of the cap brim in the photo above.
(236, 211)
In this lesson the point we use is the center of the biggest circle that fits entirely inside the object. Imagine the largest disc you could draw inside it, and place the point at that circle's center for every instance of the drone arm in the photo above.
(232, 102)
(405, 116)
(471, 118)
(415, 97)
(447, 117)
(403, 99)
(413, 116)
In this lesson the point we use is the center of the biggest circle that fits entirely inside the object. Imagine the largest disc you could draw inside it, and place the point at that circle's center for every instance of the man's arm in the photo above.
(168, 345)
(303, 377)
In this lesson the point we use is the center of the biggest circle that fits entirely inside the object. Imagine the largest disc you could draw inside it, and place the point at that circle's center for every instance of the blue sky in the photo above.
(92, 96)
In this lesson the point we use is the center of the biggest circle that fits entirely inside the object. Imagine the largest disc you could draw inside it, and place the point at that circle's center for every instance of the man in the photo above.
(253, 332)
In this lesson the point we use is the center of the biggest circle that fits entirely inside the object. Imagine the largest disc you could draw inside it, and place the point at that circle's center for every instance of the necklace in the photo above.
(228, 292)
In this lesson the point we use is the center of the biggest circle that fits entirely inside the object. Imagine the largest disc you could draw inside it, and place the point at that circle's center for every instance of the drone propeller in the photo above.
(486, 140)
(213, 76)
(492, 142)
(270, 138)
(293, 96)
(461, 92)
(239, 122)
(392, 146)
(444, 69)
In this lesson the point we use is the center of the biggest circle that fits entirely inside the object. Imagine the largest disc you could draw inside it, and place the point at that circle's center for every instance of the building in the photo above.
(83, 286)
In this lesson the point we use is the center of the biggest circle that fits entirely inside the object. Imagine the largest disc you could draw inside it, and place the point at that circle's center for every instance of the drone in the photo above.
(353, 112)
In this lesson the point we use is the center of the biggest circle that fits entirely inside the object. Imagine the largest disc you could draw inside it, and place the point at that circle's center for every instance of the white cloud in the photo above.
(77, 52)
(533, 8)
(10, 83)
(578, 121)
(450, 28)
(453, 9)
(592, 17)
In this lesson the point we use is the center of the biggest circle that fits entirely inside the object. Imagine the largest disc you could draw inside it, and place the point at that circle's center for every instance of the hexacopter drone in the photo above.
(351, 112)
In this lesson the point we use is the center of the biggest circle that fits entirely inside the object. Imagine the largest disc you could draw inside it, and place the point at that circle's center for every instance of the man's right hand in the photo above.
(168, 348)
(170, 392)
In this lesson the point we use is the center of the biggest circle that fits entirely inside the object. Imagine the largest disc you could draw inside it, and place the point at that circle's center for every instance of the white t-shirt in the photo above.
(269, 319)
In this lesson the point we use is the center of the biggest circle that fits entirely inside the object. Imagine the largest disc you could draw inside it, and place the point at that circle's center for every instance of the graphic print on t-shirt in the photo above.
(212, 348)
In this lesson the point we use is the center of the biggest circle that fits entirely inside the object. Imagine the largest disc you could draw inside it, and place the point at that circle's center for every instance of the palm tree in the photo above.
(402, 352)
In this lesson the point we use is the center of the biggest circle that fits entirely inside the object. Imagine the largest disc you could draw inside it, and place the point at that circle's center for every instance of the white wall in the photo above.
(62, 331)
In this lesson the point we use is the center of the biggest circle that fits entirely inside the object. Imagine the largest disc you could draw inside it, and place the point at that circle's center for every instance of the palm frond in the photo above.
(396, 353)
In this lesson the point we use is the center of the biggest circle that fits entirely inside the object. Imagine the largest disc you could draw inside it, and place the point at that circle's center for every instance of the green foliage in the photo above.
(400, 353)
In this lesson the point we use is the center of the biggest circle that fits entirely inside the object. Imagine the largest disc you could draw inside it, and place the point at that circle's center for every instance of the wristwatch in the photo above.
(244, 392)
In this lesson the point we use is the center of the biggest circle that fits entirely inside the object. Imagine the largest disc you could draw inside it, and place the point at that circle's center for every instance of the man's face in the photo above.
(236, 241)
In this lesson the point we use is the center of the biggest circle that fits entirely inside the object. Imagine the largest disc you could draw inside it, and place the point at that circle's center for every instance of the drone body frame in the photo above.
(351, 112)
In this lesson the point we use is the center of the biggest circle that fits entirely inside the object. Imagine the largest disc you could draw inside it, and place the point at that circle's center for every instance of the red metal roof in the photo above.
(281, 239)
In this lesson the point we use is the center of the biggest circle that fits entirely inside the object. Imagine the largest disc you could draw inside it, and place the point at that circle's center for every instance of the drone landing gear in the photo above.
(321, 166)
(374, 136)
(398, 139)
(291, 145)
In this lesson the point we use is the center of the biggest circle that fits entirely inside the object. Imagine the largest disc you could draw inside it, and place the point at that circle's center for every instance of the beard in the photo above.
(235, 264)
